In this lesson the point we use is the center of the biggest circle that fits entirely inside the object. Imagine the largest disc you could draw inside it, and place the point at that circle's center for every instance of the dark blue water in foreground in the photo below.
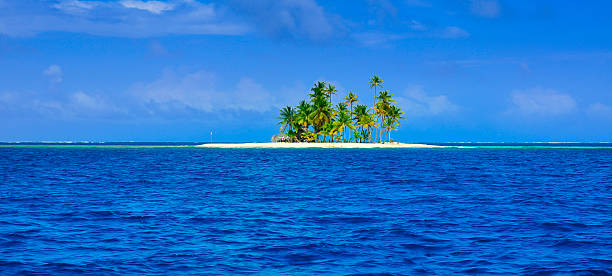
(166, 211)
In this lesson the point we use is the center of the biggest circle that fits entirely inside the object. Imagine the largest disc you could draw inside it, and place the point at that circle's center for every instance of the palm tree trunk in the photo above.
(351, 132)
(380, 130)
(374, 103)
(374, 98)
(375, 133)
(363, 137)
(382, 120)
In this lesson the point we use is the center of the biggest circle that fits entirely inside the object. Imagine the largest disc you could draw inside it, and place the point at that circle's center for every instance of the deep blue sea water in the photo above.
(116, 210)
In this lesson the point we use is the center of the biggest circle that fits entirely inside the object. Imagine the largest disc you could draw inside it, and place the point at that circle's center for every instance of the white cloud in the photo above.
(122, 19)
(386, 39)
(87, 101)
(82, 104)
(485, 8)
(54, 73)
(541, 102)
(172, 95)
(196, 91)
(74, 105)
(155, 7)
(76, 6)
(293, 19)
(249, 95)
(599, 109)
(454, 32)
(377, 39)
(415, 102)
(416, 25)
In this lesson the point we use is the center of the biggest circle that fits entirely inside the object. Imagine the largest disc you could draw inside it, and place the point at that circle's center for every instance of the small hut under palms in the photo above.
(279, 138)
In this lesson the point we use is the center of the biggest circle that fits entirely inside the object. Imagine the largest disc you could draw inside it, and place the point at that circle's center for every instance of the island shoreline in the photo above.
(320, 145)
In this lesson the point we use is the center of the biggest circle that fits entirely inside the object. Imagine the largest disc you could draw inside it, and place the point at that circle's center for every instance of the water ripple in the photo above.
(123, 211)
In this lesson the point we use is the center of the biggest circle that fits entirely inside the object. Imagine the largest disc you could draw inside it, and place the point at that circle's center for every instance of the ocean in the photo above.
(166, 209)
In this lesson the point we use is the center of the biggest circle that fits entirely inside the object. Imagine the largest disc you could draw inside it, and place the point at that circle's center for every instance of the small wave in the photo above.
(569, 243)
(475, 270)
(5, 264)
(11, 243)
(421, 247)
(303, 258)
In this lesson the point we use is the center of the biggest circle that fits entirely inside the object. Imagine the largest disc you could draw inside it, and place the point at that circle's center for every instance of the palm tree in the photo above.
(389, 124)
(379, 112)
(308, 136)
(350, 99)
(395, 114)
(356, 137)
(360, 111)
(330, 90)
(342, 110)
(318, 89)
(321, 114)
(287, 118)
(302, 118)
(328, 129)
(367, 122)
(339, 121)
(375, 81)
(381, 108)
(292, 135)
(332, 130)
(386, 97)
(343, 121)
(365, 134)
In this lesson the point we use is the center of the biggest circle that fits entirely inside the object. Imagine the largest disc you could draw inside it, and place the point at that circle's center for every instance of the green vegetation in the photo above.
(318, 120)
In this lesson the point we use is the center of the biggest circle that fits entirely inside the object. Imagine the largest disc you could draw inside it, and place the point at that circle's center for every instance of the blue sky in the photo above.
(462, 70)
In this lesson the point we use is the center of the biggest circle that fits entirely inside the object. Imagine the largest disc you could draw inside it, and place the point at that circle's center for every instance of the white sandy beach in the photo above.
(318, 145)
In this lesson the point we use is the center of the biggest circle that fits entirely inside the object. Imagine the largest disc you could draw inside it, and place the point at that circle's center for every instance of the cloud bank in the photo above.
(128, 18)
(174, 94)
(547, 102)
(416, 103)
(155, 7)
(290, 19)
(196, 91)
(294, 20)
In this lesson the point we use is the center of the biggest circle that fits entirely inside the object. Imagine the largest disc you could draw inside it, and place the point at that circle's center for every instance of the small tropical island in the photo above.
(318, 123)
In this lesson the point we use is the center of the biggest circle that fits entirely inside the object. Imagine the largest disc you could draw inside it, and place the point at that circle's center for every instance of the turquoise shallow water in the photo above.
(177, 209)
